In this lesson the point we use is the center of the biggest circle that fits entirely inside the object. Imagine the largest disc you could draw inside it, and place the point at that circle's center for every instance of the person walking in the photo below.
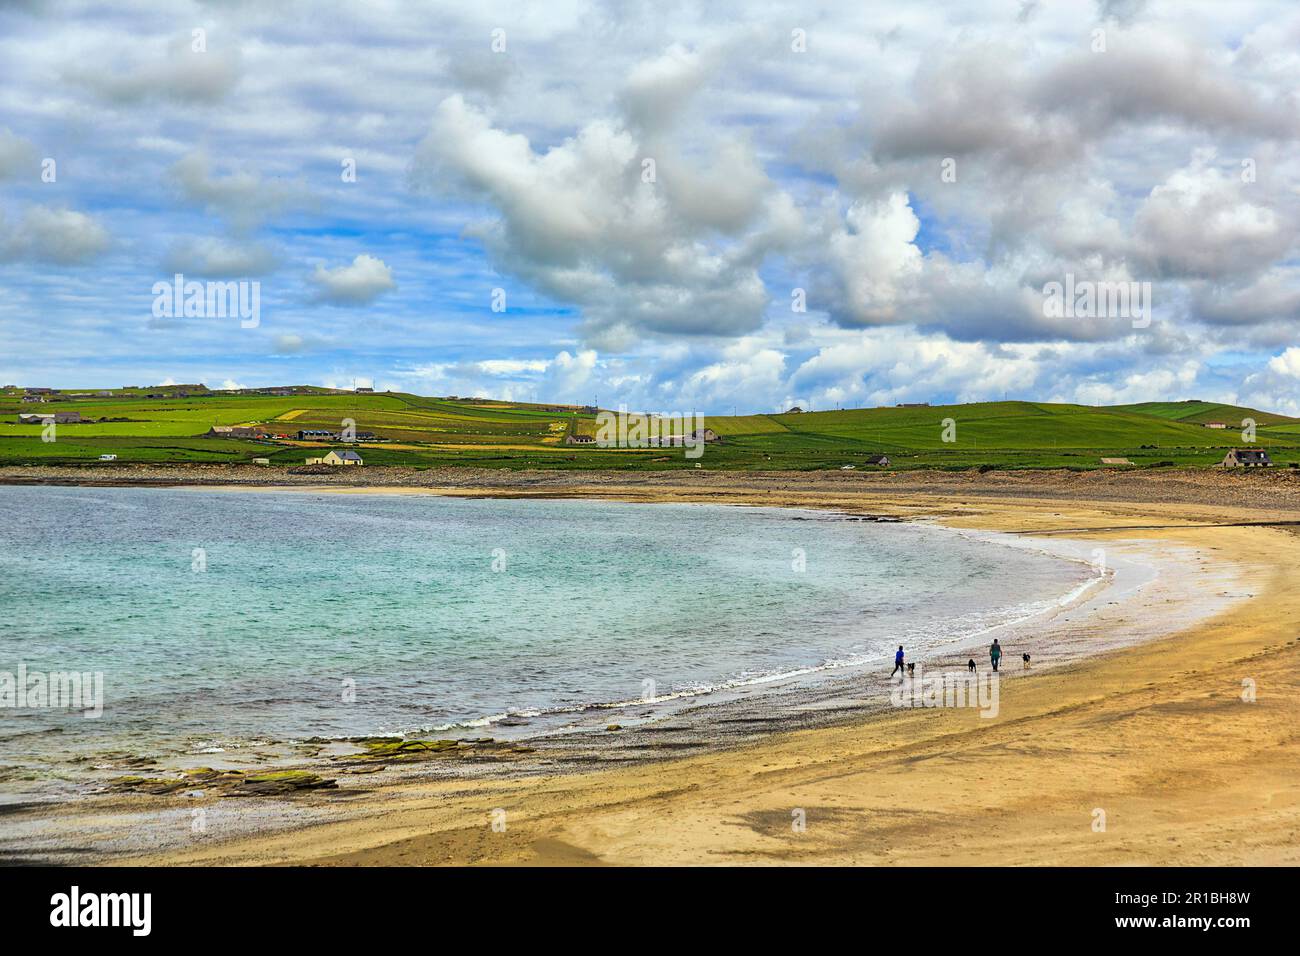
(995, 653)
(898, 662)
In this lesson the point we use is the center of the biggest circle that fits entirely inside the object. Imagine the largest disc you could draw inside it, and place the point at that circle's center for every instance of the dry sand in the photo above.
(1157, 736)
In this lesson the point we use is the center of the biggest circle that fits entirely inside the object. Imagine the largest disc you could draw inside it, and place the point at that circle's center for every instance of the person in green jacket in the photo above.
(995, 653)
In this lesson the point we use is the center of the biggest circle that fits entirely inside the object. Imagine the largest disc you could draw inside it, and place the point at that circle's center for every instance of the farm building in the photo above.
(337, 458)
(1247, 458)
(108, 458)
(579, 439)
(315, 434)
(235, 431)
(695, 437)
(59, 418)
(1215, 425)
(1116, 461)
(791, 411)
(880, 460)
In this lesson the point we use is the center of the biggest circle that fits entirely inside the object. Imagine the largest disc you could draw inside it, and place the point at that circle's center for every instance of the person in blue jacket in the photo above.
(898, 662)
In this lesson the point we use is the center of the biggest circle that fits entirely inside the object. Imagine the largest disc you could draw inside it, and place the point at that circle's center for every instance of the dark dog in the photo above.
(911, 669)
(970, 665)
(1025, 658)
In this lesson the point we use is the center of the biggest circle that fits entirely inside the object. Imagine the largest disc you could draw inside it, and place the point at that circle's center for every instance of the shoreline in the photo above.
(573, 739)
(366, 808)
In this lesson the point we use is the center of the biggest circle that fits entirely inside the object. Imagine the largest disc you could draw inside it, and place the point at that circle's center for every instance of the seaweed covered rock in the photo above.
(226, 783)
(400, 750)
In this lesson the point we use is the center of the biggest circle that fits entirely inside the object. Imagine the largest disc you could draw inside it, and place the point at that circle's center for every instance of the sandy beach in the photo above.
(1142, 745)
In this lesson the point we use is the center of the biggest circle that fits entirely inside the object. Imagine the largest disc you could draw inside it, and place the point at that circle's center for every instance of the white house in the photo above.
(337, 458)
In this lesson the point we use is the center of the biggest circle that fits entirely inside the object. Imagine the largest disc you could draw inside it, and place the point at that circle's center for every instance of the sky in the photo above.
(669, 206)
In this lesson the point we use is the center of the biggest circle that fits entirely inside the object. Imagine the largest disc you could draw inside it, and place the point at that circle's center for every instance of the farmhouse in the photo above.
(697, 437)
(337, 458)
(365, 391)
(1215, 425)
(572, 439)
(881, 460)
(792, 411)
(108, 458)
(1247, 458)
(33, 398)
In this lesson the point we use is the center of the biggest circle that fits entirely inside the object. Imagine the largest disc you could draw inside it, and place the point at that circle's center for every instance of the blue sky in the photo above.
(1104, 140)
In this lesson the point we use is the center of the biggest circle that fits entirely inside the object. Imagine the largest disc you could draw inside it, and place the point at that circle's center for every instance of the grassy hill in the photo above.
(424, 431)
(1198, 413)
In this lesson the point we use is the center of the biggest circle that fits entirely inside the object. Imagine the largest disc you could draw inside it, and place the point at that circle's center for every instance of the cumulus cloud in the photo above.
(242, 198)
(360, 283)
(52, 235)
(645, 243)
(179, 72)
(1204, 222)
(212, 257)
(771, 170)
(876, 258)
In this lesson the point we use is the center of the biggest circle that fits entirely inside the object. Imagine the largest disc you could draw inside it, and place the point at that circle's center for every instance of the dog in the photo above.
(970, 665)
(1025, 658)
(911, 670)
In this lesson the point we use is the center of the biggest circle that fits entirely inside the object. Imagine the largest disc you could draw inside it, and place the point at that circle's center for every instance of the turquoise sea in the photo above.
(220, 619)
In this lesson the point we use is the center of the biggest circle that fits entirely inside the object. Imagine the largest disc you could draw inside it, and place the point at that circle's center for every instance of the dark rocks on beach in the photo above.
(279, 782)
(397, 750)
(225, 783)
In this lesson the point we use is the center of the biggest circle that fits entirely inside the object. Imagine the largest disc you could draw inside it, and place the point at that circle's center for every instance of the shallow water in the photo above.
(221, 619)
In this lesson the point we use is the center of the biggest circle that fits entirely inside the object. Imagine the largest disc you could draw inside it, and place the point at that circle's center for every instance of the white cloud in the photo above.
(220, 258)
(58, 236)
(676, 255)
(1203, 222)
(243, 199)
(360, 283)
(177, 72)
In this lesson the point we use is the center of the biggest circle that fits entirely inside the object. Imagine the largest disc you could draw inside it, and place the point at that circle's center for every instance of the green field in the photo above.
(426, 432)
